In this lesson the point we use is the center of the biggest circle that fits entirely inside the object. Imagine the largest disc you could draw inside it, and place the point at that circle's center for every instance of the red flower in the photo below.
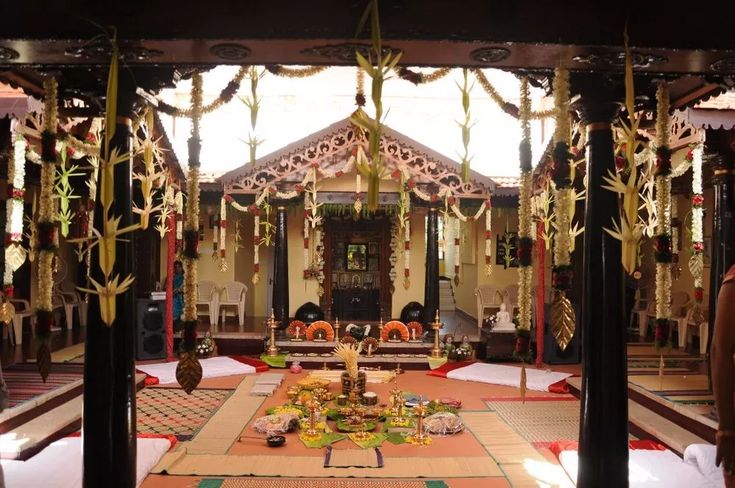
(272, 189)
(451, 200)
(306, 243)
(222, 224)
(690, 155)
(256, 268)
(9, 291)
(410, 184)
(395, 174)
(434, 198)
(619, 163)
(699, 294)
(697, 200)
(407, 245)
(339, 173)
(488, 259)
(315, 165)
(698, 246)
(229, 199)
(299, 188)
(456, 241)
(70, 151)
(488, 234)
(406, 273)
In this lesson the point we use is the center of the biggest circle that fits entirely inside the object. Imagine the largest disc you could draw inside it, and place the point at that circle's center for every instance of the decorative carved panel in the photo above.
(101, 50)
(616, 59)
(230, 51)
(489, 55)
(344, 52)
(7, 54)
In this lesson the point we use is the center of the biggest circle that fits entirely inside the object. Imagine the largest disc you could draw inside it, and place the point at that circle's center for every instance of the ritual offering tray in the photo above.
(344, 425)
(312, 383)
(370, 398)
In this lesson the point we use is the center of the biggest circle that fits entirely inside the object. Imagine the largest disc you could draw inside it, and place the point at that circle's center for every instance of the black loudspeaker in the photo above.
(552, 352)
(151, 329)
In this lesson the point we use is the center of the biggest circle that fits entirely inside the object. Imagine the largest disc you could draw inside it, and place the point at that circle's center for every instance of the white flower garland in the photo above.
(14, 253)
(696, 262)
(489, 238)
(222, 228)
(394, 243)
(179, 203)
(457, 249)
(256, 246)
(407, 253)
(562, 224)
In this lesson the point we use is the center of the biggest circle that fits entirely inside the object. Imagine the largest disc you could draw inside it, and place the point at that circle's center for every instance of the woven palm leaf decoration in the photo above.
(563, 320)
(188, 371)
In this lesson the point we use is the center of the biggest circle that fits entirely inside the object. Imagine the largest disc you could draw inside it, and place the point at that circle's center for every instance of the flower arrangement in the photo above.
(15, 255)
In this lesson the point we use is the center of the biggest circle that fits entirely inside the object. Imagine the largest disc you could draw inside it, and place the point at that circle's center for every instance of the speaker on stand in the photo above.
(151, 329)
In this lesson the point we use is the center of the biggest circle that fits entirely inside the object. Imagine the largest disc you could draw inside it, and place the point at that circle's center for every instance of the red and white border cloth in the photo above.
(165, 373)
(497, 374)
(652, 465)
(60, 463)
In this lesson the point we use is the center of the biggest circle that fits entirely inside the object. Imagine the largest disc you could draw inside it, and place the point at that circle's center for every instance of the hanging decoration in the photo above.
(505, 105)
(168, 208)
(256, 245)
(630, 228)
(179, 205)
(63, 189)
(407, 253)
(525, 224)
(252, 102)
(153, 175)
(227, 93)
(419, 78)
(488, 238)
(465, 125)
(189, 370)
(106, 238)
(696, 261)
(457, 251)
(384, 63)
(563, 320)
(289, 72)
(395, 232)
(46, 238)
(223, 235)
(662, 240)
(15, 254)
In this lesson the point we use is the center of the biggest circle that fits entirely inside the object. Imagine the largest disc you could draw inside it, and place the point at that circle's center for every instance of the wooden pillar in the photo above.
(431, 283)
(720, 144)
(109, 430)
(603, 435)
(280, 275)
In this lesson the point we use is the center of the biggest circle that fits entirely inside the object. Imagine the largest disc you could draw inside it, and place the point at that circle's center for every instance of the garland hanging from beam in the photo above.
(47, 239)
(696, 261)
(288, 72)
(525, 227)
(189, 370)
(662, 242)
(504, 104)
(563, 319)
(225, 96)
(15, 254)
(465, 126)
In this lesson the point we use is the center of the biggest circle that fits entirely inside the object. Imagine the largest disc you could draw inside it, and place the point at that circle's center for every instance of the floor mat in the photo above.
(545, 421)
(24, 383)
(305, 483)
(692, 383)
(171, 411)
(353, 458)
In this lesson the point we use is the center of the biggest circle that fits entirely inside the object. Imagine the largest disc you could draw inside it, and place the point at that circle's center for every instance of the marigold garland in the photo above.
(525, 222)
(662, 243)
(225, 96)
(419, 78)
(287, 72)
(505, 105)
(191, 221)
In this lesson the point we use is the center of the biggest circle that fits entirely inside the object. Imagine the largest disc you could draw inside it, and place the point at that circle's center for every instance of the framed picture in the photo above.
(506, 250)
(373, 249)
(356, 281)
(356, 257)
(373, 264)
(344, 280)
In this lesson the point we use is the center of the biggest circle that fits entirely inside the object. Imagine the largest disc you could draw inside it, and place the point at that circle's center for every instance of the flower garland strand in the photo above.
(47, 240)
(419, 78)
(662, 242)
(488, 237)
(225, 96)
(696, 262)
(288, 72)
(562, 313)
(222, 235)
(505, 105)
(15, 255)
(525, 224)
(189, 370)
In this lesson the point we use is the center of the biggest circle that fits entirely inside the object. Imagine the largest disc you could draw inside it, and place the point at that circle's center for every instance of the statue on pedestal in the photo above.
(503, 321)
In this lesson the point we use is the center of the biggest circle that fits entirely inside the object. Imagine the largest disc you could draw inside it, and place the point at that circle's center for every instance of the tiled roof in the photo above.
(724, 101)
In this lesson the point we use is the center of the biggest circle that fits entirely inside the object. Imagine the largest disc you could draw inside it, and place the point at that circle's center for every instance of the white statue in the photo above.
(503, 321)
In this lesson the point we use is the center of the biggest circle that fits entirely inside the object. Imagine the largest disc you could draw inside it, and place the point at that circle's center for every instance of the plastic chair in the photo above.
(208, 296)
(487, 297)
(235, 293)
(22, 310)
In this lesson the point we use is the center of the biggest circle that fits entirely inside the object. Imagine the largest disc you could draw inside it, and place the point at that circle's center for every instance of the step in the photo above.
(34, 434)
(31, 437)
(646, 423)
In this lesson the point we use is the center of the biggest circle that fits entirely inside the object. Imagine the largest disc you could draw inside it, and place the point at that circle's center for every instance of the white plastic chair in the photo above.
(22, 310)
(679, 302)
(208, 296)
(510, 297)
(686, 327)
(487, 297)
(235, 293)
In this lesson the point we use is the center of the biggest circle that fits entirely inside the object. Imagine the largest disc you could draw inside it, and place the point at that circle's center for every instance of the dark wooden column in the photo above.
(109, 435)
(603, 434)
(721, 146)
(280, 275)
(431, 283)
